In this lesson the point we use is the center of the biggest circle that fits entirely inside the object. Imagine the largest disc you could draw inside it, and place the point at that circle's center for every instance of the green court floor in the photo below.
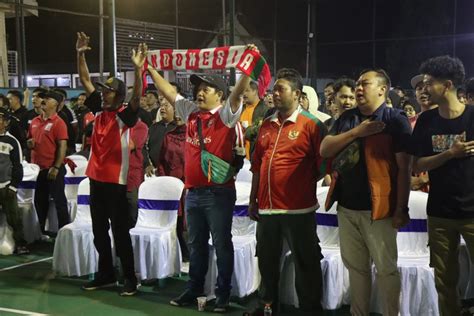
(29, 287)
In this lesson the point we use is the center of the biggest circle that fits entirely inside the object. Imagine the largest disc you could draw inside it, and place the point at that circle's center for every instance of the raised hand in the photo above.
(82, 43)
(139, 56)
(253, 47)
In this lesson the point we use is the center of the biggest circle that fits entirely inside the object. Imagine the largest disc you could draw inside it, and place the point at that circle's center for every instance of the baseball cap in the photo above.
(114, 84)
(213, 81)
(53, 95)
(416, 80)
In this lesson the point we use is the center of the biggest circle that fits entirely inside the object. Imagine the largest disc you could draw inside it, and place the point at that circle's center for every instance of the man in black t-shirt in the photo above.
(443, 145)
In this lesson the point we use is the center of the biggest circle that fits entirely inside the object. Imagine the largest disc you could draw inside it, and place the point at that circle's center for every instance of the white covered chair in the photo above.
(25, 196)
(74, 250)
(7, 244)
(72, 180)
(245, 175)
(71, 185)
(154, 240)
(246, 277)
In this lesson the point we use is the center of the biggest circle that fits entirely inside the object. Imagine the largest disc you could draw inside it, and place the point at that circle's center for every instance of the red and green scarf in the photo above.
(249, 62)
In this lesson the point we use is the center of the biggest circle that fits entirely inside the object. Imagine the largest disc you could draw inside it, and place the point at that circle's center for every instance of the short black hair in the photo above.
(292, 76)
(344, 82)
(154, 92)
(83, 93)
(329, 84)
(17, 94)
(40, 90)
(445, 68)
(177, 86)
(381, 74)
(253, 85)
(470, 86)
(460, 90)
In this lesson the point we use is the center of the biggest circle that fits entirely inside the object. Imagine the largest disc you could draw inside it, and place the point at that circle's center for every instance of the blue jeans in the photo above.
(210, 209)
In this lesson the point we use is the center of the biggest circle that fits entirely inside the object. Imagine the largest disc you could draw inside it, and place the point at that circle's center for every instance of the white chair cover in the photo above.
(72, 180)
(333, 272)
(27, 186)
(245, 175)
(412, 240)
(327, 229)
(155, 243)
(246, 277)
(7, 244)
(74, 250)
(71, 185)
(25, 195)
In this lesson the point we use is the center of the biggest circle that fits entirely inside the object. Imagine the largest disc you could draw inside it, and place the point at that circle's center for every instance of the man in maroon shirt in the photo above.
(108, 167)
(47, 140)
(209, 206)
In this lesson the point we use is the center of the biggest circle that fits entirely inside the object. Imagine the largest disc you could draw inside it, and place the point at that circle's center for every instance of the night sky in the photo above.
(344, 31)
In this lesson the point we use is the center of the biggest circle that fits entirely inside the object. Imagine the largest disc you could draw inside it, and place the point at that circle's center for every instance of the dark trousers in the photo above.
(108, 201)
(299, 230)
(55, 189)
(132, 200)
(210, 210)
(9, 206)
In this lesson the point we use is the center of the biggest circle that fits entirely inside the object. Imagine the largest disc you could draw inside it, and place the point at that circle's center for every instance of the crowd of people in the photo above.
(370, 143)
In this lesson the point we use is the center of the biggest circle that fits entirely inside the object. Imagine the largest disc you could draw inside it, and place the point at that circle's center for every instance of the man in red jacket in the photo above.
(285, 166)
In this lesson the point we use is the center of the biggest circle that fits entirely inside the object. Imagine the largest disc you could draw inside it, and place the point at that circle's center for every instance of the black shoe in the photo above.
(21, 250)
(185, 299)
(222, 304)
(99, 283)
(129, 288)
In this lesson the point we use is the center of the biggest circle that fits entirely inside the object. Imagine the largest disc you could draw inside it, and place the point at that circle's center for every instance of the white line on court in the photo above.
(25, 264)
(18, 311)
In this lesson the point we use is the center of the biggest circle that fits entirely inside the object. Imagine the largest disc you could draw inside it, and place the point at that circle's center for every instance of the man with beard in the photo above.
(286, 166)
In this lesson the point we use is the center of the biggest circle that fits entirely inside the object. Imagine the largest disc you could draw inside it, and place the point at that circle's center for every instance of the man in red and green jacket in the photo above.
(286, 166)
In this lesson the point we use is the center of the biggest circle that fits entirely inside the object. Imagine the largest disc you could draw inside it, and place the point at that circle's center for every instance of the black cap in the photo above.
(62, 91)
(213, 81)
(53, 95)
(4, 112)
(114, 84)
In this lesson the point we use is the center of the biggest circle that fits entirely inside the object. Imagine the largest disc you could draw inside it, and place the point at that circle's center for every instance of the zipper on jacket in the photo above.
(270, 165)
